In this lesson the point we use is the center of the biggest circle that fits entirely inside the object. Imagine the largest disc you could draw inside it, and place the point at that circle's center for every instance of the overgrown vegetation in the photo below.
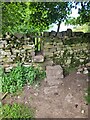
(88, 95)
(71, 58)
(19, 76)
(16, 111)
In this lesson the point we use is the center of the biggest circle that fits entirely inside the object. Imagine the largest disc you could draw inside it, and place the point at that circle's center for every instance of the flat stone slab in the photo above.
(54, 71)
(53, 81)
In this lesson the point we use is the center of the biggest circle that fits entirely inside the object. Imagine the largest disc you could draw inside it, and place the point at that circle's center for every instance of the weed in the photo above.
(19, 76)
(16, 111)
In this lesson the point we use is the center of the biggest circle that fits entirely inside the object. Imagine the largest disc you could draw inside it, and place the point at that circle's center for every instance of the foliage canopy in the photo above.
(32, 16)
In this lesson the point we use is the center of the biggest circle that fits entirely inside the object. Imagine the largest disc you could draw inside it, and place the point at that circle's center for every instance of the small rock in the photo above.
(18, 97)
(62, 83)
(82, 111)
(85, 72)
(28, 87)
(86, 94)
(36, 94)
(38, 58)
(87, 80)
(78, 85)
(8, 69)
(80, 69)
(78, 72)
(36, 86)
(28, 65)
(26, 102)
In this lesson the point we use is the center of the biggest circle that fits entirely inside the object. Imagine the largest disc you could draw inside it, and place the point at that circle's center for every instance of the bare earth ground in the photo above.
(56, 97)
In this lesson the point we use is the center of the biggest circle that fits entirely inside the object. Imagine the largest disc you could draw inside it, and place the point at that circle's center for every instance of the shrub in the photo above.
(16, 111)
(19, 76)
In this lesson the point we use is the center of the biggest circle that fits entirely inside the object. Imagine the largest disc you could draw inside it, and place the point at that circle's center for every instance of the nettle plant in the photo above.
(19, 76)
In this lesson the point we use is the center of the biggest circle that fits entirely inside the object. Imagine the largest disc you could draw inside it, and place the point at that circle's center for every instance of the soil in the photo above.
(64, 99)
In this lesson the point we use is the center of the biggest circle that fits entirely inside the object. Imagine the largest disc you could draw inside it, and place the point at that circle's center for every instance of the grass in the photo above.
(16, 111)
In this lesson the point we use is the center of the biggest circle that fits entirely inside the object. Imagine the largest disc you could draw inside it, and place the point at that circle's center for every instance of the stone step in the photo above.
(54, 71)
(53, 81)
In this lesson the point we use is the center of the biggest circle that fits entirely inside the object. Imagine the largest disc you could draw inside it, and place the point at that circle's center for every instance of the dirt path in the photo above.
(56, 97)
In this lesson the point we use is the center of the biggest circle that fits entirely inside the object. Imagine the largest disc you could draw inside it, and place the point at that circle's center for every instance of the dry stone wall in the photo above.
(19, 47)
(16, 49)
(57, 51)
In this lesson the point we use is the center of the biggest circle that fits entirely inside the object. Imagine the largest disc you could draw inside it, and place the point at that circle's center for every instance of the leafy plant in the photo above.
(88, 96)
(16, 111)
(19, 76)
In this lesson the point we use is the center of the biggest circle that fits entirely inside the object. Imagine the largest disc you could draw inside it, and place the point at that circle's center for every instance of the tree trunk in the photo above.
(58, 28)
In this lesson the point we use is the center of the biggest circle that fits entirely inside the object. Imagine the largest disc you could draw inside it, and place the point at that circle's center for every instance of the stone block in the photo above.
(53, 33)
(58, 49)
(59, 35)
(47, 53)
(54, 71)
(16, 51)
(38, 58)
(2, 52)
(69, 32)
(18, 35)
(6, 65)
(1, 46)
(49, 46)
(50, 54)
(46, 34)
(26, 47)
(52, 50)
(1, 60)
(8, 69)
(52, 81)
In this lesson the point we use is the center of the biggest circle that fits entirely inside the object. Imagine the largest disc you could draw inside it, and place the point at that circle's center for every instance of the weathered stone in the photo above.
(69, 32)
(8, 53)
(7, 59)
(54, 71)
(16, 51)
(52, 80)
(8, 69)
(27, 65)
(87, 35)
(68, 61)
(64, 33)
(46, 34)
(78, 34)
(28, 47)
(18, 35)
(81, 60)
(38, 58)
(32, 53)
(59, 35)
(53, 33)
